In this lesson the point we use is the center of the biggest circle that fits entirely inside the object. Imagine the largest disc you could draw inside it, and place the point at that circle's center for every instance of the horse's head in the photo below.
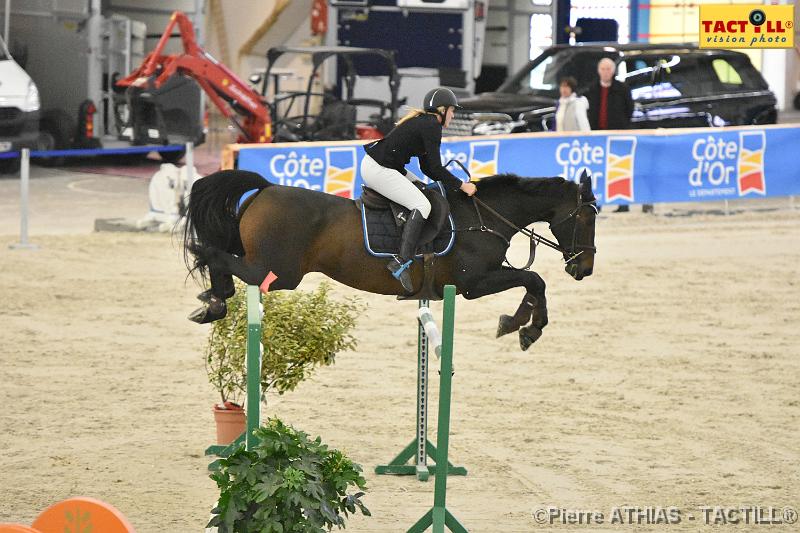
(573, 227)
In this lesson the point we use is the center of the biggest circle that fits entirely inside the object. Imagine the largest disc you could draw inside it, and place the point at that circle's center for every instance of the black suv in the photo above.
(673, 86)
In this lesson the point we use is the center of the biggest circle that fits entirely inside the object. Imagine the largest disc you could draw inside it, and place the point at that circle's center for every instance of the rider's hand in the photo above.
(468, 188)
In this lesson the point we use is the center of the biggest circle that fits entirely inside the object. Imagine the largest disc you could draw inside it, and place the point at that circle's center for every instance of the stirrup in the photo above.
(403, 266)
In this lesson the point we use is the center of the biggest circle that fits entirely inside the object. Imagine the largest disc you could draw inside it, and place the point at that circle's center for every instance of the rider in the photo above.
(418, 134)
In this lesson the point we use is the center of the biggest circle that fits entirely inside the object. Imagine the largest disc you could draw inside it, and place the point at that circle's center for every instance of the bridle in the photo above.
(570, 254)
(574, 214)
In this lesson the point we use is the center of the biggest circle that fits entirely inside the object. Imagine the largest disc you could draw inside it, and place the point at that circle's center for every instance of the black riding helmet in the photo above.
(439, 97)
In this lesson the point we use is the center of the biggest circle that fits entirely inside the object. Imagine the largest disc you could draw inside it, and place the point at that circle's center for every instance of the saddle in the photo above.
(383, 220)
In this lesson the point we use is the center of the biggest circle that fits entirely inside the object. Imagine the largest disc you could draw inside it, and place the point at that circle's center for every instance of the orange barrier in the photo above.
(16, 528)
(75, 514)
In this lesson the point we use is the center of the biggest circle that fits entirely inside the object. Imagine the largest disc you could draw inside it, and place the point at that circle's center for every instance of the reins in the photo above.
(533, 237)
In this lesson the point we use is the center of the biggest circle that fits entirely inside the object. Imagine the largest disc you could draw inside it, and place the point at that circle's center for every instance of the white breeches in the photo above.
(394, 186)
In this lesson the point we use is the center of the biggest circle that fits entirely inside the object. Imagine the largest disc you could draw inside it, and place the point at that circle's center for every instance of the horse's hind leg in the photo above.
(222, 266)
(221, 289)
(221, 286)
(214, 306)
(214, 297)
(254, 272)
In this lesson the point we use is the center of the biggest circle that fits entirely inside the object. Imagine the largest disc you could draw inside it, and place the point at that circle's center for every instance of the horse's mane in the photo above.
(553, 187)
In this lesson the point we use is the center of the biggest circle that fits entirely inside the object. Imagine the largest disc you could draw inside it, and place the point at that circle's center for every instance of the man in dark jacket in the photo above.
(610, 106)
(610, 102)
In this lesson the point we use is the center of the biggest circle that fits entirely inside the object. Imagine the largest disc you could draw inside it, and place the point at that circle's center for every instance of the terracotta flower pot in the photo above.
(231, 422)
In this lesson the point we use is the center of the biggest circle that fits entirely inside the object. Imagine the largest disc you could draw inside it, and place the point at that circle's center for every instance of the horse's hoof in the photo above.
(506, 325)
(528, 335)
(199, 315)
(208, 313)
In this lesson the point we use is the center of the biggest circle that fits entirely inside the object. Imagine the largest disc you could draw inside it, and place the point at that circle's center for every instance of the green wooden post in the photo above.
(439, 517)
(255, 352)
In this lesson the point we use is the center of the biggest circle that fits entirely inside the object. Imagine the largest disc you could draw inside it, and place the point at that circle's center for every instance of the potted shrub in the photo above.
(286, 482)
(301, 331)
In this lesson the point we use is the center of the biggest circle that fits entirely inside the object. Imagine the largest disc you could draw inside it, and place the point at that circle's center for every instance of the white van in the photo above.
(19, 109)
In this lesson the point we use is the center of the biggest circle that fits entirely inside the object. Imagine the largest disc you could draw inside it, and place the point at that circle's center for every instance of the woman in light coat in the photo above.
(571, 112)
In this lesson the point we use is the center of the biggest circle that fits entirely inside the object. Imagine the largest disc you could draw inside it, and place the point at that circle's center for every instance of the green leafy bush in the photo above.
(301, 330)
(286, 483)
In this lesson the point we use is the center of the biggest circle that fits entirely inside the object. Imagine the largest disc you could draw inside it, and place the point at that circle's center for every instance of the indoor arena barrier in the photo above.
(627, 166)
(26, 154)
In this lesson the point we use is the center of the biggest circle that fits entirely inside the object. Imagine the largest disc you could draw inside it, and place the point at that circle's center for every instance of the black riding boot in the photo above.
(408, 246)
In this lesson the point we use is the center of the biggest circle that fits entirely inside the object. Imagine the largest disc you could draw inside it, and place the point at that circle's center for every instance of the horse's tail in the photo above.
(211, 215)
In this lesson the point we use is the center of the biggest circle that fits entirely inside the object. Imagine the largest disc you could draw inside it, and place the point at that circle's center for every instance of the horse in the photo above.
(280, 233)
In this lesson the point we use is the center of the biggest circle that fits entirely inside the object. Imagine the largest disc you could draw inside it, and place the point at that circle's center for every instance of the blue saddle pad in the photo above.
(382, 236)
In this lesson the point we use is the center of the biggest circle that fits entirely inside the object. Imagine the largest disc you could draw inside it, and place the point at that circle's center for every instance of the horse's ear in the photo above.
(587, 195)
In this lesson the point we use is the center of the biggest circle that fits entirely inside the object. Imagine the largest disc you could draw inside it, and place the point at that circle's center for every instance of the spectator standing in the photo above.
(571, 108)
(610, 106)
(610, 102)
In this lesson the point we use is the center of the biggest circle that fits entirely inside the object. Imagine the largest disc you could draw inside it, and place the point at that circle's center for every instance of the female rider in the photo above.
(418, 134)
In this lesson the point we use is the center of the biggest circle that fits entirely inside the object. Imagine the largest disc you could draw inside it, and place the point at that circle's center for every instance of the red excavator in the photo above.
(243, 106)
(248, 109)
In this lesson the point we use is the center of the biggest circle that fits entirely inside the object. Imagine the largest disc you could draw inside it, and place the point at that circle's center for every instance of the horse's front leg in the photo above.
(533, 305)
(531, 333)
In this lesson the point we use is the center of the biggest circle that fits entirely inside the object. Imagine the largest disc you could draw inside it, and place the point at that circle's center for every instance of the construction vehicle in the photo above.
(256, 119)
(344, 115)
(242, 105)
(74, 52)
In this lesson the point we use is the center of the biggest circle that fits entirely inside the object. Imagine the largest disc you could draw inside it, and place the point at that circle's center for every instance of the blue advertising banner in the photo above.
(643, 166)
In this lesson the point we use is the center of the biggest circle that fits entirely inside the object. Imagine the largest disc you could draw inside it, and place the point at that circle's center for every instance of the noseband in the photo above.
(573, 214)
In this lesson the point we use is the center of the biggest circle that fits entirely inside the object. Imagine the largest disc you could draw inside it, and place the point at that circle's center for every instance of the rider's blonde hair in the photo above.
(415, 112)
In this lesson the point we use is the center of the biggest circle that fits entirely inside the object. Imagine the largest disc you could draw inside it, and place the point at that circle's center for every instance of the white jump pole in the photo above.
(24, 183)
(431, 330)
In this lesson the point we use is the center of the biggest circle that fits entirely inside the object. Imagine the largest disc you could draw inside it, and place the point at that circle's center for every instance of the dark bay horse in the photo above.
(290, 231)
